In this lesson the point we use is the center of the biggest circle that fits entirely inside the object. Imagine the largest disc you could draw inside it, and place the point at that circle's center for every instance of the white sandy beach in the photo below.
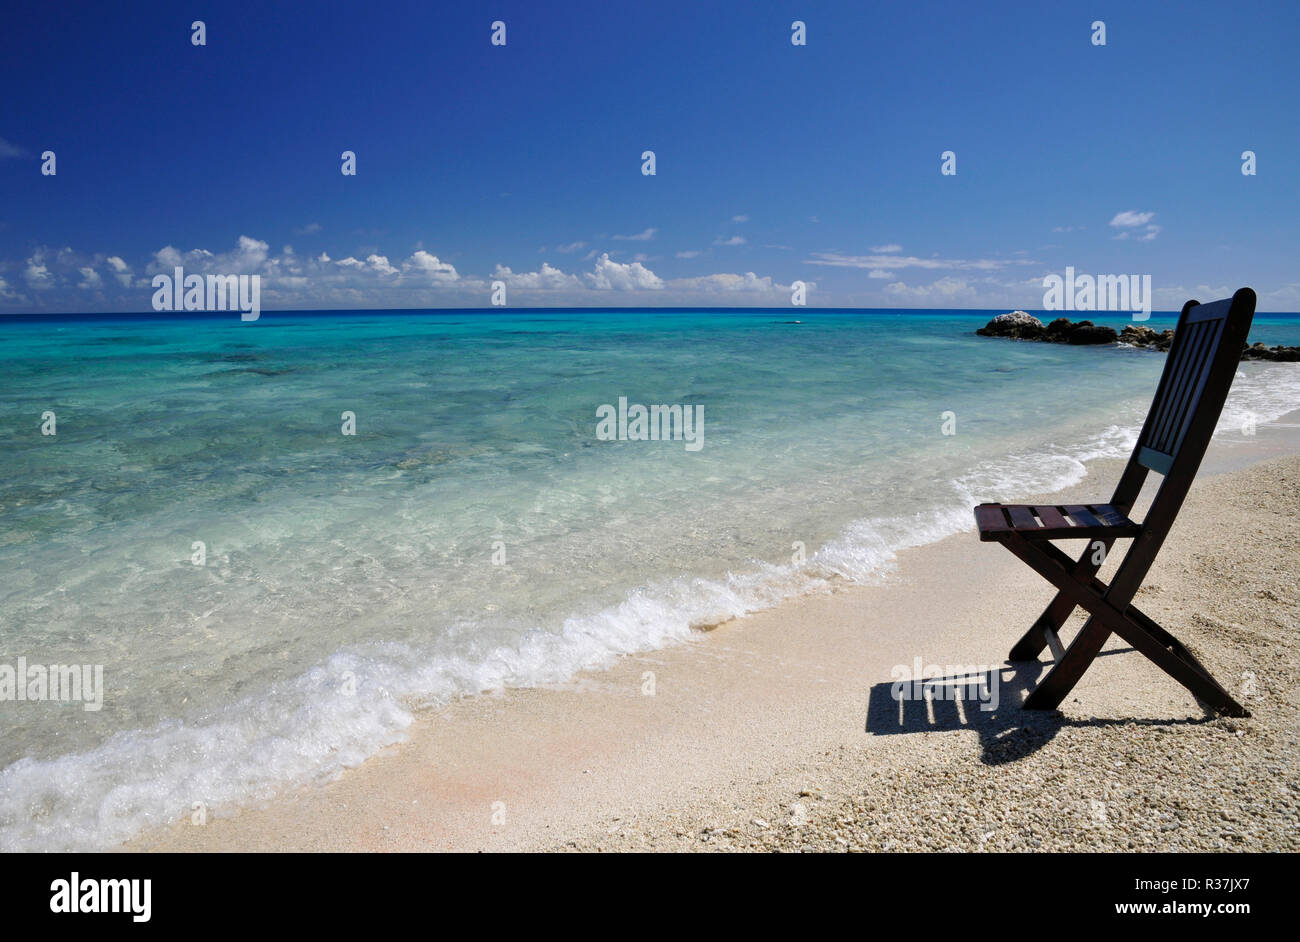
(776, 731)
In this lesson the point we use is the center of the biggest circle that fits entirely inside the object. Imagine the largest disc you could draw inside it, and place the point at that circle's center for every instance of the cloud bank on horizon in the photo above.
(950, 181)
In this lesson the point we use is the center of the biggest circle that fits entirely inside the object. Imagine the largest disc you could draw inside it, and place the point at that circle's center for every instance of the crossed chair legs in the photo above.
(1110, 611)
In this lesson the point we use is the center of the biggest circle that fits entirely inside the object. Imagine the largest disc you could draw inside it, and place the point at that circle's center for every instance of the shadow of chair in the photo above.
(988, 703)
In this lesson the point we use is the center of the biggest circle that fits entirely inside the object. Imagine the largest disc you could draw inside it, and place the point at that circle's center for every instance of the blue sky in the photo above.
(775, 162)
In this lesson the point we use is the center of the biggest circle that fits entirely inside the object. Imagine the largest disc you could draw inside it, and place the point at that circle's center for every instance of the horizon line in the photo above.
(640, 309)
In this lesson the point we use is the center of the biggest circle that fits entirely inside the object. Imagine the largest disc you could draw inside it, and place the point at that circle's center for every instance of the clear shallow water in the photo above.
(350, 580)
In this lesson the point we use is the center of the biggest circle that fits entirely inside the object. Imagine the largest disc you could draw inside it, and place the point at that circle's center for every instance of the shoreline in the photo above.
(759, 715)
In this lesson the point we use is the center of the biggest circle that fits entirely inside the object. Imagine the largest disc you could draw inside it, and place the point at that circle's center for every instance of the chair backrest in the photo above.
(1198, 373)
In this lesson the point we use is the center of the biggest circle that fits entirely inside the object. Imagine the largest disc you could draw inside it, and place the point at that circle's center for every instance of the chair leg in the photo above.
(1148, 624)
(1058, 610)
(1183, 668)
(1060, 680)
(1033, 641)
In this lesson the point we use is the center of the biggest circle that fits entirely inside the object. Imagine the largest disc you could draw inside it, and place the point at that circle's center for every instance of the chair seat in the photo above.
(1053, 522)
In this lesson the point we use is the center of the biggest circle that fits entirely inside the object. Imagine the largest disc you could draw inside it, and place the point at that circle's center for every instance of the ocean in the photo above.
(272, 600)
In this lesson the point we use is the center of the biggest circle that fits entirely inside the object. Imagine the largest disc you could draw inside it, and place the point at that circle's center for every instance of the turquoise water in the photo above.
(474, 533)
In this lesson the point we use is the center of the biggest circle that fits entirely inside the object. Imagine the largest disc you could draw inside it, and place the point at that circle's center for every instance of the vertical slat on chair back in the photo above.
(1201, 366)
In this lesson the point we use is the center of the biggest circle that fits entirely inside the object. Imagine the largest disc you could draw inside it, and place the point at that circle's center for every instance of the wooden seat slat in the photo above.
(1022, 517)
(1051, 517)
(990, 519)
(1083, 517)
(1109, 515)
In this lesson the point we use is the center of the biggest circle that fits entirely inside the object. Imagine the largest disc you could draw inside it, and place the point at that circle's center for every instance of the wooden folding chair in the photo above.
(1201, 366)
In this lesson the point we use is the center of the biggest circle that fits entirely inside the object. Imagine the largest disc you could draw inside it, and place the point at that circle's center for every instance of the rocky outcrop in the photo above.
(1021, 326)
(1258, 351)
(1018, 325)
(1086, 332)
(1146, 337)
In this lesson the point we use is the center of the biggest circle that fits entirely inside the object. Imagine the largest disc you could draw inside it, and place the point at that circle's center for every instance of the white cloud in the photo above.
(37, 274)
(380, 264)
(1131, 218)
(10, 150)
(48, 269)
(1284, 298)
(690, 254)
(121, 270)
(946, 289)
(570, 248)
(734, 240)
(546, 279)
(887, 262)
(613, 276)
(740, 219)
(644, 236)
(248, 257)
(1173, 298)
(423, 263)
(250, 254)
(889, 249)
(748, 282)
(1147, 236)
(879, 273)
